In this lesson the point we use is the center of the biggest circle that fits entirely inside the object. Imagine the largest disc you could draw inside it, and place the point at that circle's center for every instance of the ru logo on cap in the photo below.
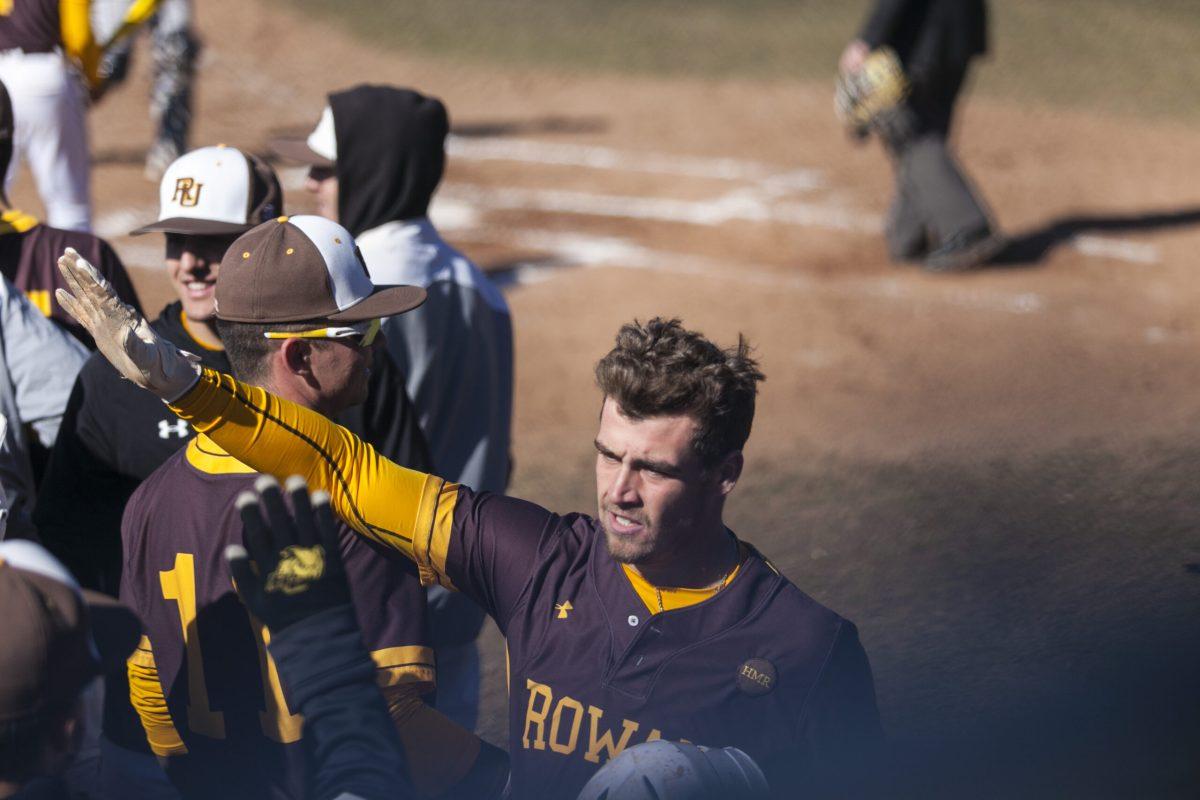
(187, 192)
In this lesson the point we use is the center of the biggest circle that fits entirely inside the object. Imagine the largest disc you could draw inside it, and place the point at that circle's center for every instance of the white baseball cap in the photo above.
(216, 190)
(318, 150)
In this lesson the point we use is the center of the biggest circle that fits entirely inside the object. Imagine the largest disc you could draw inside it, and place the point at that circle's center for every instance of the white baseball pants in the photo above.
(49, 112)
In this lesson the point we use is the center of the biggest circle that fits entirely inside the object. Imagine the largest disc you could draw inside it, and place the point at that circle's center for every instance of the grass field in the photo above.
(1111, 55)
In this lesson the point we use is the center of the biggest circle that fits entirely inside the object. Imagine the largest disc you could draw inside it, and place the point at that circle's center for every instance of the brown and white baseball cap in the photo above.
(57, 637)
(297, 269)
(215, 191)
(319, 149)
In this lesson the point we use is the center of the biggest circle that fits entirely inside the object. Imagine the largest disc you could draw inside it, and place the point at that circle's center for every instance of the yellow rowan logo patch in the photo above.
(563, 609)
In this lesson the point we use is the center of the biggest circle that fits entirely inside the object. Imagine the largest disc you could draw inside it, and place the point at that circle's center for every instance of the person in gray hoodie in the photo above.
(375, 160)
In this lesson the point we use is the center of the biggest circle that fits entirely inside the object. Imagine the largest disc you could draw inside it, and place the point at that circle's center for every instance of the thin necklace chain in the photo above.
(718, 585)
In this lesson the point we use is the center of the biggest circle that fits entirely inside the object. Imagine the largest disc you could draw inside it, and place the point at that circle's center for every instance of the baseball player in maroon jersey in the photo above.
(41, 43)
(297, 312)
(650, 621)
(29, 248)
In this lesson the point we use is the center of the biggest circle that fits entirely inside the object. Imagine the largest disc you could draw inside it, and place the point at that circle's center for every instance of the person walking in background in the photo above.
(936, 216)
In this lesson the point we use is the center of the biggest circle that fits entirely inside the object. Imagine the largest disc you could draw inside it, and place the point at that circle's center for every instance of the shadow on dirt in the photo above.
(121, 156)
(1034, 626)
(548, 124)
(1032, 247)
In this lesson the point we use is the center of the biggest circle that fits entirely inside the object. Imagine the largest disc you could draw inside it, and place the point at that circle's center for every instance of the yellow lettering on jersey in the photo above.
(598, 742)
(277, 720)
(576, 707)
(179, 584)
(537, 717)
(566, 722)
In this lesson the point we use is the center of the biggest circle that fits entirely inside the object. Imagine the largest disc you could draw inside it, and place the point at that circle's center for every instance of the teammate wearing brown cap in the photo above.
(297, 313)
(28, 248)
(56, 641)
(113, 434)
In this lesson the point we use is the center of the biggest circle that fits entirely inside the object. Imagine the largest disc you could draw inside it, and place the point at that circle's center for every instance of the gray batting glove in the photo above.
(122, 334)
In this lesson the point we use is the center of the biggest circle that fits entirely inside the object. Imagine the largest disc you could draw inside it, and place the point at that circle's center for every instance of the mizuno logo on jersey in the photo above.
(167, 429)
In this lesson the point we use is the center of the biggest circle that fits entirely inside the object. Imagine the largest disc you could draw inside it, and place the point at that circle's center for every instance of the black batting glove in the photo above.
(291, 567)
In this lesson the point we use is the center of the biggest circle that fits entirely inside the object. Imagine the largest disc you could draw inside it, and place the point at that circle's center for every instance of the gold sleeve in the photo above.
(399, 508)
(146, 696)
(78, 42)
(410, 667)
(439, 752)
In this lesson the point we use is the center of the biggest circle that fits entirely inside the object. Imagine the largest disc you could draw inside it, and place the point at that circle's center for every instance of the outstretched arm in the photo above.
(397, 507)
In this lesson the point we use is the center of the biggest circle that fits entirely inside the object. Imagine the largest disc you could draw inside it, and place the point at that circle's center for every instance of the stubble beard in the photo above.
(626, 549)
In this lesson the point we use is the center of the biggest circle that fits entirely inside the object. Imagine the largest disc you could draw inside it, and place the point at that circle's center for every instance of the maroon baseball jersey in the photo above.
(31, 25)
(29, 253)
(759, 666)
(220, 686)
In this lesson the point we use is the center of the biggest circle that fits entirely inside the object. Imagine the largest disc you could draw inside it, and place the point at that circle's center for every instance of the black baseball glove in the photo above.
(290, 568)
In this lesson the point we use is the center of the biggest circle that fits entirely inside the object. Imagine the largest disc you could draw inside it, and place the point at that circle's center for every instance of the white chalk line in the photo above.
(530, 151)
(738, 206)
(460, 205)
(771, 183)
(576, 250)
(1122, 249)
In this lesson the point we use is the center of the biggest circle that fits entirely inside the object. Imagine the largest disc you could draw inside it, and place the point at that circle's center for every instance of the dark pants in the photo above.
(933, 200)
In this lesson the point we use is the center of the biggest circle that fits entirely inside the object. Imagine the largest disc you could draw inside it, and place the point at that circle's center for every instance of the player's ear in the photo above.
(296, 356)
(729, 470)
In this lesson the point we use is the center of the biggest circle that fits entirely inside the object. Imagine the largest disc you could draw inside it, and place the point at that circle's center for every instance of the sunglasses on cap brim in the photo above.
(365, 332)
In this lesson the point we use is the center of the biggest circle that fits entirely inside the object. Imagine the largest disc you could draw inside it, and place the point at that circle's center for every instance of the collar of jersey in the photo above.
(207, 456)
(673, 598)
(183, 320)
(16, 221)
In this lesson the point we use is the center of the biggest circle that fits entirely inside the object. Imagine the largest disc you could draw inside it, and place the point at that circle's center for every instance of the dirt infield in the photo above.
(992, 474)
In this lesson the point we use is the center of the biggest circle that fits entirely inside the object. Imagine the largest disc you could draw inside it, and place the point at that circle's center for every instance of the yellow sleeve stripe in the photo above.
(410, 664)
(436, 522)
(281, 438)
(146, 696)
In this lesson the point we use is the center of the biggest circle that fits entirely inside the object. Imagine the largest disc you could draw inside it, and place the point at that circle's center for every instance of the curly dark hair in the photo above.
(660, 368)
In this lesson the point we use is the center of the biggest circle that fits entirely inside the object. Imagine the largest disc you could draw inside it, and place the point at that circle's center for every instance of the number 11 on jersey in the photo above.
(278, 723)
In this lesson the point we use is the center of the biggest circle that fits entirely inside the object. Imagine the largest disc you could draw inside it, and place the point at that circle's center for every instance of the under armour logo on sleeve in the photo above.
(167, 428)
